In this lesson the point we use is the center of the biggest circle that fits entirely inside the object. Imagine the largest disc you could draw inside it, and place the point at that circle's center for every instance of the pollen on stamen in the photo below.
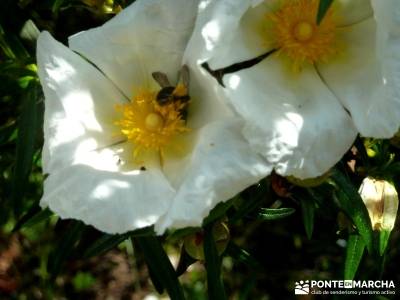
(148, 125)
(296, 35)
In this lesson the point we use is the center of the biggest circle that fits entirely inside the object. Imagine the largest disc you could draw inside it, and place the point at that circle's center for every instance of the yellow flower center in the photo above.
(149, 125)
(297, 36)
(154, 121)
(303, 31)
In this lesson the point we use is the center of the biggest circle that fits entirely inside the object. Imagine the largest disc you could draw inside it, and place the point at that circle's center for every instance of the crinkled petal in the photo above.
(366, 78)
(221, 166)
(79, 105)
(292, 119)
(351, 12)
(112, 202)
(147, 36)
(228, 32)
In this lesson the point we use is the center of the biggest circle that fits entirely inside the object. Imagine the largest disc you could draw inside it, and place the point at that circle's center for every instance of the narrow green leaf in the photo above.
(65, 247)
(109, 241)
(249, 206)
(185, 260)
(354, 253)
(275, 213)
(104, 244)
(11, 45)
(160, 266)
(384, 236)
(322, 9)
(57, 5)
(213, 266)
(6, 132)
(241, 255)
(156, 280)
(34, 216)
(352, 204)
(28, 128)
(249, 286)
(308, 212)
(218, 211)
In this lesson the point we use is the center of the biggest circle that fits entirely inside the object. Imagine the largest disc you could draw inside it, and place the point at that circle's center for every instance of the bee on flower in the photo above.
(129, 141)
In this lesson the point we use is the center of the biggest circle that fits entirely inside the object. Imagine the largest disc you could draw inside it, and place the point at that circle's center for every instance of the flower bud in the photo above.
(381, 199)
(194, 243)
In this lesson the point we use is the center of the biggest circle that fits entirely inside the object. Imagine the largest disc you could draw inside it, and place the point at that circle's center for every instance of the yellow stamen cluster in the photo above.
(297, 36)
(148, 125)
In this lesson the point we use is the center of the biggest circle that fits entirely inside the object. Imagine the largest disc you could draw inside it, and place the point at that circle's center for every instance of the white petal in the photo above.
(111, 202)
(221, 166)
(228, 32)
(79, 105)
(367, 80)
(292, 119)
(353, 11)
(148, 36)
(208, 104)
(208, 98)
(387, 14)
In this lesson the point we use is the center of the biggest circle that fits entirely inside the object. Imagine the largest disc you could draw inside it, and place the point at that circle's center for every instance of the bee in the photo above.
(170, 93)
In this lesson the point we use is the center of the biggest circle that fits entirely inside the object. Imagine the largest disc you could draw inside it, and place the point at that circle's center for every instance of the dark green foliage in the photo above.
(213, 266)
(162, 272)
(354, 253)
(352, 204)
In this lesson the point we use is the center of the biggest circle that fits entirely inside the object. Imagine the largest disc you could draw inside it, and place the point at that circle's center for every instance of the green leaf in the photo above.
(248, 286)
(213, 266)
(65, 247)
(34, 216)
(57, 5)
(109, 241)
(185, 260)
(161, 268)
(241, 255)
(354, 253)
(384, 236)
(275, 213)
(322, 9)
(11, 45)
(29, 126)
(104, 244)
(352, 204)
(253, 203)
(308, 212)
(218, 211)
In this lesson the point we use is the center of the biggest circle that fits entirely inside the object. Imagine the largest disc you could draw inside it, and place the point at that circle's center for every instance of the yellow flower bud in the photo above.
(381, 199)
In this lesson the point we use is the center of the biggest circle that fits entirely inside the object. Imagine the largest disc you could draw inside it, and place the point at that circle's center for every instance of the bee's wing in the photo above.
(185, 78)
(161, 78)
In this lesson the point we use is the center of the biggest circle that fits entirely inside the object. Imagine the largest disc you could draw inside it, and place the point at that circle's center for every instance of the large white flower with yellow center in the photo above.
(125, 151)
(317, 85)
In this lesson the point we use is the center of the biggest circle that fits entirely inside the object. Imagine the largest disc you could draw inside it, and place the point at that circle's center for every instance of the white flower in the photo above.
(116, 158)
(320, 85)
